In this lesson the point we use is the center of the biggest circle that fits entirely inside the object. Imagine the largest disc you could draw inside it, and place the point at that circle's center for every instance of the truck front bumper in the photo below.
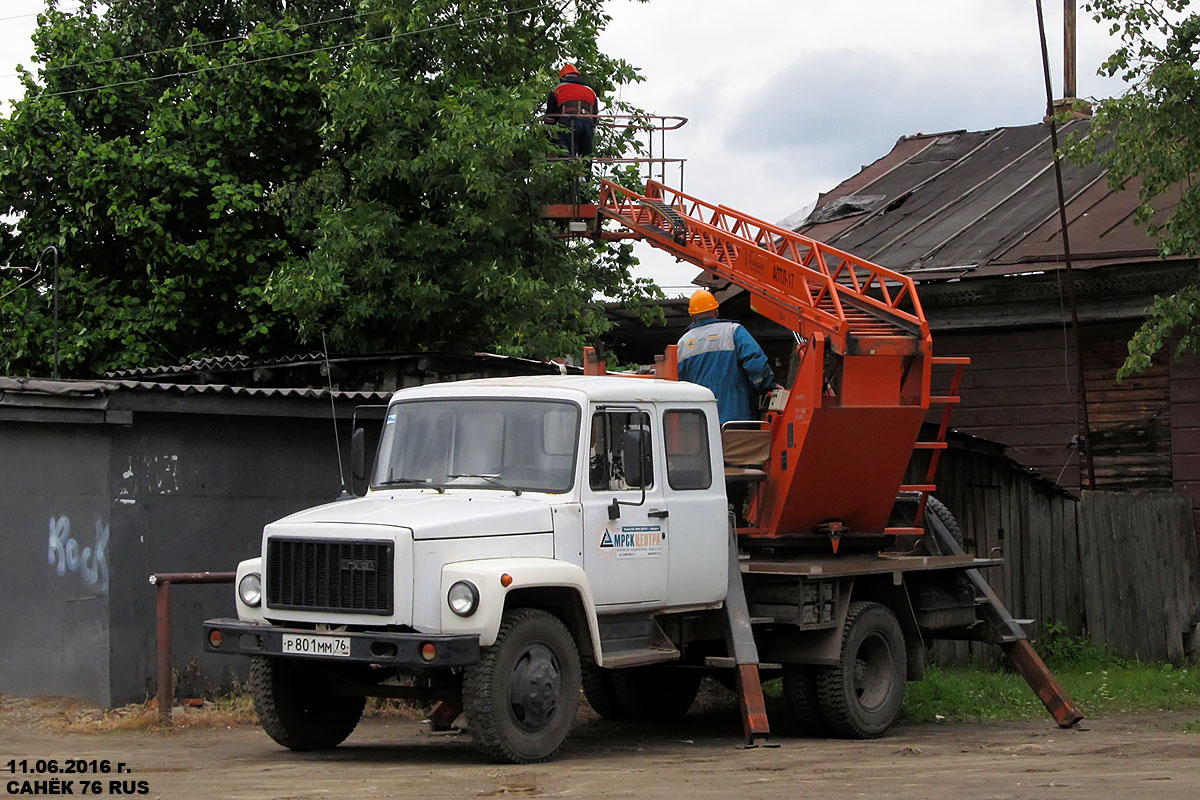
(236, 637)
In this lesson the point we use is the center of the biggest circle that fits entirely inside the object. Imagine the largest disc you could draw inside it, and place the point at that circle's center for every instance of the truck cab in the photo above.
(570, 501)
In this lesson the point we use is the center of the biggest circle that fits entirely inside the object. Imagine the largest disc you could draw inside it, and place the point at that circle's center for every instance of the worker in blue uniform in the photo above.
(722, 356)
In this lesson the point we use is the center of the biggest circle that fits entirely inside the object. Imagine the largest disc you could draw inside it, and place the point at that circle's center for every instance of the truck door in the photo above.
(694, 489)
(625, 558)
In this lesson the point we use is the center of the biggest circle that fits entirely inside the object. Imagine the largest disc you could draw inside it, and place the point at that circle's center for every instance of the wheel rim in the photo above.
(872, 676)
(534, 688)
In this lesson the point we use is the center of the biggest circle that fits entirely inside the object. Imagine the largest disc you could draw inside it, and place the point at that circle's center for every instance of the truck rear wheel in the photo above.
(861, 696)
(297, 709)
(800, 693)
(656, 692)
(521, 697)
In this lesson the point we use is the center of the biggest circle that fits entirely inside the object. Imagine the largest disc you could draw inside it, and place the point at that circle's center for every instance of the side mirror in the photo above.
(358, 457)
(614, 509)
(636, 458)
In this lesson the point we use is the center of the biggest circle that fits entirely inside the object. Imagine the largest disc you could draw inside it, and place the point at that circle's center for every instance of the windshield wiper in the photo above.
(492, 479)
(412, 482)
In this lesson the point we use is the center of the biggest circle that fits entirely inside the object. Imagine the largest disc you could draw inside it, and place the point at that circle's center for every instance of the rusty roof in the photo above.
(979, 203)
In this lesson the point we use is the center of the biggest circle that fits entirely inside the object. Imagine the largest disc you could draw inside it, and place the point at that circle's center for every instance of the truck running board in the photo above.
(632, 640)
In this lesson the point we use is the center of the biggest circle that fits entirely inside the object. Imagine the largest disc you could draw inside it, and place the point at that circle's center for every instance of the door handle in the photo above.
(658, 513)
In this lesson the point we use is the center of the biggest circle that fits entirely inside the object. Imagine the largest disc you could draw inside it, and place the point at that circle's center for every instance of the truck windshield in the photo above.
(505, 445)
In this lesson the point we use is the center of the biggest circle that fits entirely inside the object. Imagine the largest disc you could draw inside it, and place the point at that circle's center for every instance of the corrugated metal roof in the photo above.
(360, 378)
(216, 364)
(977, 203)
(205, 368)
(78, 388)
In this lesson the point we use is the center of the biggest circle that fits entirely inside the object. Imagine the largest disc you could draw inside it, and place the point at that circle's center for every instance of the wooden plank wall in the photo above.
(1131, 420)
(1003, 510)
(1119, 566)
(1185, 429)
(1138, 562)
(1020, 390)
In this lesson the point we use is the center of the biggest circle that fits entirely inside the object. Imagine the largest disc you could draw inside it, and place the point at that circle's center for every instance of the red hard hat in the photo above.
(568, 69)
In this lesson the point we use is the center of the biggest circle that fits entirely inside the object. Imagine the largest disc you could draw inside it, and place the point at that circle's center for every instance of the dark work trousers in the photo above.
(576, 135)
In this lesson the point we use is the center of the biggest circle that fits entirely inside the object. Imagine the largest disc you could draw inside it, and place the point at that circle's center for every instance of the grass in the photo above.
(1099, 683)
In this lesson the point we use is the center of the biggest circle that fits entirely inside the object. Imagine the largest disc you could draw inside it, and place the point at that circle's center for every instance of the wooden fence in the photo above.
(1119, 566)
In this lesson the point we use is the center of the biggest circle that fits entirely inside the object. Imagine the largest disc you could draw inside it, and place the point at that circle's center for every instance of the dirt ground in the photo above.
(1126, 757)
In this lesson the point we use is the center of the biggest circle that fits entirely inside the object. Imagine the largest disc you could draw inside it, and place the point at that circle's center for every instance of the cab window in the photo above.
(621, 451)
(685, 434)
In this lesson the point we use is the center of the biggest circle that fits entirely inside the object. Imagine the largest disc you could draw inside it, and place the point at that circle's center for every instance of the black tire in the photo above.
(938, 509)
(800, 694)
(296, 708)
(600, 693)
(656, 692)
(861, 696)
(521, 697)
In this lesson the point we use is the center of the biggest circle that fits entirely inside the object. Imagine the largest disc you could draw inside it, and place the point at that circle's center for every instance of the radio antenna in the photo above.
(337, 442)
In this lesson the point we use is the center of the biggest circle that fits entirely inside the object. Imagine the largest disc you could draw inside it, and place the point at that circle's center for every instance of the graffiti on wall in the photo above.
(66, 554)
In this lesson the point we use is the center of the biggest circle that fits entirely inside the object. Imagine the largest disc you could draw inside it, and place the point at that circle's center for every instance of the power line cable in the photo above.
(278, 56)
(37, 13)
(187, 46)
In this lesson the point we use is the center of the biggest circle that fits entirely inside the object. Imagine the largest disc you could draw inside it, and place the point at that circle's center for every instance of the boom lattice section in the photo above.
(801, 283)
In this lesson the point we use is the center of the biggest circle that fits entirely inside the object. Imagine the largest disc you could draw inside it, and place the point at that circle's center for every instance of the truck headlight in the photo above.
(463, 598)
(250, 589)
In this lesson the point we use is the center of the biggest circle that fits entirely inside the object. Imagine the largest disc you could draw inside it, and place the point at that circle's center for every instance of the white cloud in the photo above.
(787, 99)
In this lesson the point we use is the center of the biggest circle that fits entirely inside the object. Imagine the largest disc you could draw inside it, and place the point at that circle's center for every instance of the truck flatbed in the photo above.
(864, 564)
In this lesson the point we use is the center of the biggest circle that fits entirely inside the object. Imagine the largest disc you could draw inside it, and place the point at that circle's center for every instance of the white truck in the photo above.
(526, 538)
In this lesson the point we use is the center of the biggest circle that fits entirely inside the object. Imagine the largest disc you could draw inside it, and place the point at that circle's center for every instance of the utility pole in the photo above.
(1085, 428)
(1069, 59)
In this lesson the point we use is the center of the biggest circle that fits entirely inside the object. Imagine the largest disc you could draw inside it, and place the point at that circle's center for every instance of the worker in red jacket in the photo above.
(572, 105)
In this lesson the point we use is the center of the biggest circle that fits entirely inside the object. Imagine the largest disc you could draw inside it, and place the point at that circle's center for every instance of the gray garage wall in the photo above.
(94, 499)
(192, 493)
(54, 572)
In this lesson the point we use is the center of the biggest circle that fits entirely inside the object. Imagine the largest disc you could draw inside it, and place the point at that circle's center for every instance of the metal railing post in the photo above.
(164, 697)
(163, 612)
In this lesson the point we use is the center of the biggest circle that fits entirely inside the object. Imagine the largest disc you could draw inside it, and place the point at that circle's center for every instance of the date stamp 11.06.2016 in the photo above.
(48, 777)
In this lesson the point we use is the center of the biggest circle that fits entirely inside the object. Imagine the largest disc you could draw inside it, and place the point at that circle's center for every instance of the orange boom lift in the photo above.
(845, 431)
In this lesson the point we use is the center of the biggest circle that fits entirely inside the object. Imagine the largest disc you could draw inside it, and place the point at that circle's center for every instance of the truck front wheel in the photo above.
(297, 709)
(861, 696)
(521, 697)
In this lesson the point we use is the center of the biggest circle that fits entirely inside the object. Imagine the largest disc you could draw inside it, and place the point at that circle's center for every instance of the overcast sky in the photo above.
(787, 98)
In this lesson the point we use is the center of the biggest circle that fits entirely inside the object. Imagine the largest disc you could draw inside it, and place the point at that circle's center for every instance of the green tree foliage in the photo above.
(242, 175)
(1155, 130)
(428, 213)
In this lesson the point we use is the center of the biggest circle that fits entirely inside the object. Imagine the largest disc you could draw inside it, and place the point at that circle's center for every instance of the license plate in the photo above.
(299, 644)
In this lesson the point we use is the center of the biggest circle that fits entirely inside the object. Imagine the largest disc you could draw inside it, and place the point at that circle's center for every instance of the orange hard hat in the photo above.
(568, 69)
(702, 300)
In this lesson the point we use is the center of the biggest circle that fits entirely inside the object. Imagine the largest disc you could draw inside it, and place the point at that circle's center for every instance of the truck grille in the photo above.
(330, 575)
